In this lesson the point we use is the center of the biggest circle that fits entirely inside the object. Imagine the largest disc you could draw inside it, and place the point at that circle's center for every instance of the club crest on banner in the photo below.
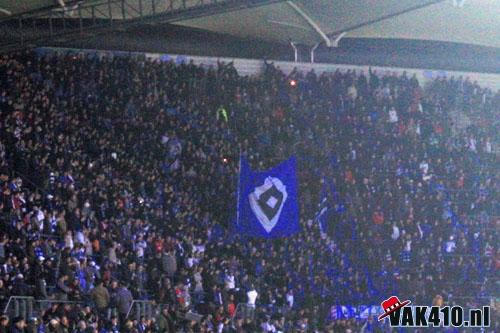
(267, 202)
(267, 205)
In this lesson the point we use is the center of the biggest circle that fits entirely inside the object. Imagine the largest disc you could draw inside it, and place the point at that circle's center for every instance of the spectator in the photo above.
(4, 324)
(164, 321)
(123, 302)
(252, 296)
(100, 297)
(169, 264)
(18, 325)
(114, 326)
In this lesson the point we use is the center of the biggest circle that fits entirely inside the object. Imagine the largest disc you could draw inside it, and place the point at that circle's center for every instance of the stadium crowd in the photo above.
(118, 180)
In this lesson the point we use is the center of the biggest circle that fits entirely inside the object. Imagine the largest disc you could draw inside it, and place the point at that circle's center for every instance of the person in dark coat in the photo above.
(19, 286)
(100, 297)
(54, 326)
(33, 324)
(169, 264)
(18, 325)
(123, 302)
(4, 324)
(114, 327)
(165, 321)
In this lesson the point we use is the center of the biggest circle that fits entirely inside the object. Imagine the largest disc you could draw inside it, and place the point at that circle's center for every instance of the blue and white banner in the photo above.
(330, 202)
(267, 201)
(322, 214)
(356, 312)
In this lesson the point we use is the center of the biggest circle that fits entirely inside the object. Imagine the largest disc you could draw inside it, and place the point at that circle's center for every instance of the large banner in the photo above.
(267, 201)
(356, 312)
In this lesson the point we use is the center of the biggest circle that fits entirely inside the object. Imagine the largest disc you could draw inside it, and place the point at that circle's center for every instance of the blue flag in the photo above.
(329, 203)
(337, 201)
(322, 213)
(267, 201)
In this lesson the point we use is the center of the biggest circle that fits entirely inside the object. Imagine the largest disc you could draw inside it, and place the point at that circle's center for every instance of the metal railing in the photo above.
(149, 309)
(139, 309)
(27, 306)
(20, 306)
(42, 305)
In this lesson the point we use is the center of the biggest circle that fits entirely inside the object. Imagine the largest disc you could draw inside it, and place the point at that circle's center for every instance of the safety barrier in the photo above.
(138, 309)
(28, 307)
(42, 305)
(150, 309)
(20, 306)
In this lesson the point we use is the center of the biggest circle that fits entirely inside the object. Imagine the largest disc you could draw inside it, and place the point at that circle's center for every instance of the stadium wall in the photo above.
(401, 53)
(253, 66)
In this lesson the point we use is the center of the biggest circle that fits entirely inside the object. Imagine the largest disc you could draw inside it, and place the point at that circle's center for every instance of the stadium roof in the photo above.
(474, 22)
(302, 21)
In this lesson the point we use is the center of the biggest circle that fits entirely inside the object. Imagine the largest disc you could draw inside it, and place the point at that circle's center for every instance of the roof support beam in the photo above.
(5, 11)
(313, 49)
(295, 51)
(383, 18)
(311, 22)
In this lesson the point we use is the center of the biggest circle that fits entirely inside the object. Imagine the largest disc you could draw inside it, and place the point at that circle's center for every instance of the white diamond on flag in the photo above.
(272, 202)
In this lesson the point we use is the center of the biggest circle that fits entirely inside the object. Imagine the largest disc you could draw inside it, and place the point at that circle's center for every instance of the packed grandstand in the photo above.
(119, 179)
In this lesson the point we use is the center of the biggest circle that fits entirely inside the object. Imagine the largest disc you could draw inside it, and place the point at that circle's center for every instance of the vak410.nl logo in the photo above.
(402, 314)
